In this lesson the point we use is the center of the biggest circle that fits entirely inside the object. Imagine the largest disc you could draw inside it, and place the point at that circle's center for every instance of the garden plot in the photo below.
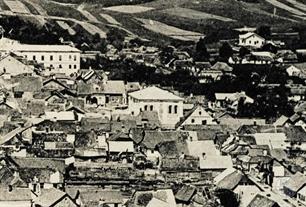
(170, 31)
(17, 6)
(93, 29)
(110, 19)
(194, 14)
(66, 26)
(129, 9)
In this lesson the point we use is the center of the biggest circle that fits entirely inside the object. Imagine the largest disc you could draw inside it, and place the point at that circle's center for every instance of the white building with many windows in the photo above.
(55, 58)
(168, 106)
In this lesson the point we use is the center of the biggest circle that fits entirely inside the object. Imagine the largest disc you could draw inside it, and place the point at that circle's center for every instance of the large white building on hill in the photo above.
(168, 106)
(55, 58)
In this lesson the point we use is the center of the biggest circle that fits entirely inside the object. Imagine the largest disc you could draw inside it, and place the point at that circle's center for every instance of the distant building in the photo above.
(55, 58)
(13, 65)
(168, 106)
(251, 39)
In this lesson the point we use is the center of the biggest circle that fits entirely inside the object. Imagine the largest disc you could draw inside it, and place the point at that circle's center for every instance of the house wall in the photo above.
(199, 117)
(69, 63)
(301, 198)
(253, 41)
(14, 67)
(167, 118)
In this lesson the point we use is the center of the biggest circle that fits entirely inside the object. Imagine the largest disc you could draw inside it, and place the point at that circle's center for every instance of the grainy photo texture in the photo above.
(152, 103)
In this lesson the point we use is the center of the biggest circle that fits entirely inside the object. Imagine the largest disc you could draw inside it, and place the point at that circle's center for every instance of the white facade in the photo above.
(11, 65)
(199, 117)
(168, 106)
(251, 39)
(55, 58)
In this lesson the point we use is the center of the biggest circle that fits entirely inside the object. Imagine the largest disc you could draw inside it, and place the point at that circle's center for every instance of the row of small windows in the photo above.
(148, 108)
(42, 58)
(172, 109)
(60, 66)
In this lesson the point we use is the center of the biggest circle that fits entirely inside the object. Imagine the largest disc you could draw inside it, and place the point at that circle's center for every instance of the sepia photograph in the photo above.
(152, 103)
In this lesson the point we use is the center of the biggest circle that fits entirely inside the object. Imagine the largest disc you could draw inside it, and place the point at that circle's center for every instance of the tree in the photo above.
(226, 51)
(201, 51)
(243, 51)
(116, 38)
(264, 31)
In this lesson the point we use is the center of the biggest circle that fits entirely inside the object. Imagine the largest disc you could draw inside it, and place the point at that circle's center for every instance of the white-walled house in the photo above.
(251, 39)
(55, 58)
(198, 116)
(12, 65)
(168, 106)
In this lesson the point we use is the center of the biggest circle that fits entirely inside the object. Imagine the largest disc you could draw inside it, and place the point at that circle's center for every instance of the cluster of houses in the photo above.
(72, 137)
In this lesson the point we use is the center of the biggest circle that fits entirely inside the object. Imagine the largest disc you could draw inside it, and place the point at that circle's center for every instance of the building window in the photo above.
(151, 108)
(60, 66)
(204, 122)
(70, 57)
(74, 57)
(34, 57)
(60, 58)
(146, 108)
(175, 109)
(74, 66)
(69, 66)
(302, 197)
(42, 58)
(200, 112)
(170, 109)
(192, 120)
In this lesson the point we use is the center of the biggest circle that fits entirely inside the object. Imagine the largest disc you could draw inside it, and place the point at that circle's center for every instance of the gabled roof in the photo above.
(261, 201)
(221, 66)
(296, 182)
(228, 179)
(48, 197)
(155, 93)
(248, 35)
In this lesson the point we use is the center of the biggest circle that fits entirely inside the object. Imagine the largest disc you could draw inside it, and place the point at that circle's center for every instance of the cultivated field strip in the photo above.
(93, 29)
(170, 31)
(129, 9)
(193, 14)
(297, 4)
(38, 8)
(86, 14)
(17, 6)
(286, 7)
(110, 19)
(65, 26)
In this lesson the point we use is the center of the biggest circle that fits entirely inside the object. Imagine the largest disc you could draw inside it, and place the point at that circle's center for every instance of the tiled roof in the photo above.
(155, 93)
(17, 194)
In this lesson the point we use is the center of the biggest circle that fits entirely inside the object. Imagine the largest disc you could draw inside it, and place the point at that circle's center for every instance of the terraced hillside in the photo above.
(158, 20)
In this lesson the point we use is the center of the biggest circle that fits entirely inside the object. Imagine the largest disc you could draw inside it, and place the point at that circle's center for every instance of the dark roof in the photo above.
(185, 193)
(261, 201)
(295, 133)
(180, 165)
(99, 124)
(27, 84)
(40, 163)
(153, 138)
